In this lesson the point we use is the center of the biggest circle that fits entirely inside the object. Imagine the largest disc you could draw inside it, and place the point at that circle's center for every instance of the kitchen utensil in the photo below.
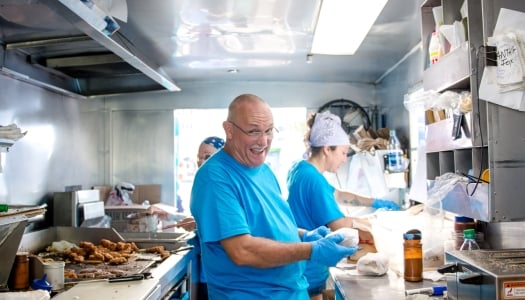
(41, 284)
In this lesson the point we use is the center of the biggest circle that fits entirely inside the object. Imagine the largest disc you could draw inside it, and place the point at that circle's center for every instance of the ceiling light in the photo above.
(343, 24)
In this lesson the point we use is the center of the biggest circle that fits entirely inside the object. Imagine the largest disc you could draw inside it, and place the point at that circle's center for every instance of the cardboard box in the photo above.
(150, 192)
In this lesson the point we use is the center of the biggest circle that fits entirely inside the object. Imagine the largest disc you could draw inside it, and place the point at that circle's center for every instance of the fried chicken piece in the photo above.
(71, 274)
(123, 246)
(108, 244)
(164, 254)
(96, 256)
(84, 244)
(155, 249)
(134, 247)
(107, 257)
(118, 261)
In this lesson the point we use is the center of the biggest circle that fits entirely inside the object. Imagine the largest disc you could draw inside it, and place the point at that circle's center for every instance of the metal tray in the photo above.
(170, 240)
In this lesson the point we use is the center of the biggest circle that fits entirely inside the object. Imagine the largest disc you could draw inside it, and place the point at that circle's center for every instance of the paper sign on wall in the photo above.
(504, 84)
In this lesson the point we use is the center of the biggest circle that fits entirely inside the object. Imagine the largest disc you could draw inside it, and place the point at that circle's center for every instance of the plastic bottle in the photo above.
(413, 256)
(19, 278)
(434, 48)
(460, 224)
(469, 240)
(395, 154)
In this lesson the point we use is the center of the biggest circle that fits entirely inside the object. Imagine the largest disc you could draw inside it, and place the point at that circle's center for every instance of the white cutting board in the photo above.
(136, 290)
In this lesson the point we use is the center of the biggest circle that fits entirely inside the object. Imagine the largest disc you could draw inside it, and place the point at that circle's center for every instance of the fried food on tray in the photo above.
(106, 251)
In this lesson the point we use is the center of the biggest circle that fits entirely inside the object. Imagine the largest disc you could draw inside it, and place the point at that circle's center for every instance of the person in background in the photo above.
(311, 197)
(207, 148)
(251, 246)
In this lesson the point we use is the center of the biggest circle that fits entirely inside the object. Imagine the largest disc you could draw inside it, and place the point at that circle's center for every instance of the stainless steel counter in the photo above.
(164, 277)
(389, 286)
(172, 274)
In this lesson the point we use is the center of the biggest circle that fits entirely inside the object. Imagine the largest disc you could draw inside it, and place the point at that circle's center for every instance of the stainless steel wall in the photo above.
(142, 149)
(62, 146)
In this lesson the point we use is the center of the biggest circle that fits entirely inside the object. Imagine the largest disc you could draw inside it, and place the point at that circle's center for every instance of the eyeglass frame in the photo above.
(256, 134)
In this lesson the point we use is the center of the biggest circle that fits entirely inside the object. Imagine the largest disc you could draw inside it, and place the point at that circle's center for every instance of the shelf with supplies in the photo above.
(492, 138)
(456, 149)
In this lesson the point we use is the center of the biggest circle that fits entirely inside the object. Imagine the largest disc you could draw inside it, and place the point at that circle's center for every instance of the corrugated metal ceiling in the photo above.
(165, 42)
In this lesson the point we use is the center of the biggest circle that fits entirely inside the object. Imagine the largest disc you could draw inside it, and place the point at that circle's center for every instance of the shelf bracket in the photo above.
(491, 56)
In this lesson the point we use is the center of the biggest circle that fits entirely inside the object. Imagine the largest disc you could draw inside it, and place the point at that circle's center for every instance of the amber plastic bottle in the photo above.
(413, 256)
(20, 272)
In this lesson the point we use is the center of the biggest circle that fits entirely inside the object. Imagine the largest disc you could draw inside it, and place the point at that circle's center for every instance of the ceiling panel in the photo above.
(198, 40)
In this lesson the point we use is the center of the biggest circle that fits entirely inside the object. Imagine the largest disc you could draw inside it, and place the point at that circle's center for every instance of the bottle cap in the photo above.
(412, 234)
(463, 219)
(438, 290)
(469, 233)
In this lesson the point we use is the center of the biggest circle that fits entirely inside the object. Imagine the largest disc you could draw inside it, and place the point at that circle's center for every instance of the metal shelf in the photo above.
(451, 72)
(5, 144)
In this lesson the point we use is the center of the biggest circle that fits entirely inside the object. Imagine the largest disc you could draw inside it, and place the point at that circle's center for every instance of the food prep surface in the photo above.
(389, 286)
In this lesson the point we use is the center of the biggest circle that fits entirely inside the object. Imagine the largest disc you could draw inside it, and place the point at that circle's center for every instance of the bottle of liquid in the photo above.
(395, 154)
(19, 277)
(434, 48)
(460, 224)
(469, 240)
(413, 256)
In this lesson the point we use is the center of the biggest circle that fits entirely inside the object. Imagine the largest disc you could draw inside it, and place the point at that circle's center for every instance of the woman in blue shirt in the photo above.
(312, 198)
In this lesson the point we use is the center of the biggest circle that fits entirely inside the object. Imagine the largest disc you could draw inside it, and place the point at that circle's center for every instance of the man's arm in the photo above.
(247, 250)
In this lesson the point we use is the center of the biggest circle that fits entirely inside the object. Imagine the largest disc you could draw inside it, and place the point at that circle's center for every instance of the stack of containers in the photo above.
(460, 224)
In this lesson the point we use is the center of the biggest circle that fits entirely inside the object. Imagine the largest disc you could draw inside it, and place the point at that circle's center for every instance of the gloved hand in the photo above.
(386, 204)
(316, 234)
(327, 251)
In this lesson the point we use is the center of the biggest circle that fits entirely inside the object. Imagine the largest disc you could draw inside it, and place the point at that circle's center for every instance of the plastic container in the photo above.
(395, 154)
(469, 241)
(55, 274)
(413, 256)
(462, 223)
(434, 48)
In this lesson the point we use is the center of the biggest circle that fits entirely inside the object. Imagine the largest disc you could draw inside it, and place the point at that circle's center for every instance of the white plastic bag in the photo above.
(373, 264)
(365, 175)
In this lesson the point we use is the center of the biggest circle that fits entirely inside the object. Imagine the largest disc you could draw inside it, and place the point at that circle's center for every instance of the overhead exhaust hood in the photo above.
(76, 55)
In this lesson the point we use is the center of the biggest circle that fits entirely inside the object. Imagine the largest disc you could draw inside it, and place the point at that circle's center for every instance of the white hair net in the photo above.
(327, 131)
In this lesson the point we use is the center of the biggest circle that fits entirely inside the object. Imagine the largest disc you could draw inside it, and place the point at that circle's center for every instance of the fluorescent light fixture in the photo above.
(343, 24)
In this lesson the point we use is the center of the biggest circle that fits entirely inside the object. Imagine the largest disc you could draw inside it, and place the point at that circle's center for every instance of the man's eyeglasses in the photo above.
(256, 134)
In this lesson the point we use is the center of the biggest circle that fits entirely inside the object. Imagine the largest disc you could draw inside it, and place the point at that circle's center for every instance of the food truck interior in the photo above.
(101, 92)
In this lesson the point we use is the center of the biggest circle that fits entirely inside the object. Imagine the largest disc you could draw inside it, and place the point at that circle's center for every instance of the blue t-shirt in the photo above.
(312, 201)
(229, 199)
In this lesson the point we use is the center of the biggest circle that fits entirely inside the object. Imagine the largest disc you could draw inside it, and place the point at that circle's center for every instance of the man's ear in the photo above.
(227, 126)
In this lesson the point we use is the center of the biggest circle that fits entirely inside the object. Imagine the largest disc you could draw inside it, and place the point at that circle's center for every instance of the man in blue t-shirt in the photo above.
(251, 246)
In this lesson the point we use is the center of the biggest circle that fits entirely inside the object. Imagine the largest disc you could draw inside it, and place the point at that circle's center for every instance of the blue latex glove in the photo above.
(328, 252)
(316, 234)
(386, 204)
